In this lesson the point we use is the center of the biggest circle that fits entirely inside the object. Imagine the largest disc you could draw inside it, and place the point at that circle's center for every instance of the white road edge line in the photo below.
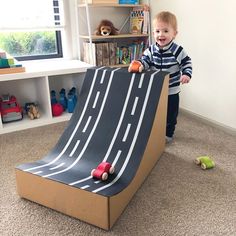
(55, 167)
(38, 172)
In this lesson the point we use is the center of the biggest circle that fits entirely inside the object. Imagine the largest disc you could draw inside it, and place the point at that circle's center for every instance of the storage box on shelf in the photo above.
(110, 50)
(35, 85)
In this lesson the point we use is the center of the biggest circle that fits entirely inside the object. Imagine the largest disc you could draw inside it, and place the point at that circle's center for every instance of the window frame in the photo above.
(57, 29)
(59, 53)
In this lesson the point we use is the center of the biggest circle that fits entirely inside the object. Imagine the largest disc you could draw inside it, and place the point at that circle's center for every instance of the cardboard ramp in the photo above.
(120, 118)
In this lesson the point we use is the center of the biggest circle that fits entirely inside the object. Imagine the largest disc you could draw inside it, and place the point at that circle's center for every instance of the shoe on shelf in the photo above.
(169, 139)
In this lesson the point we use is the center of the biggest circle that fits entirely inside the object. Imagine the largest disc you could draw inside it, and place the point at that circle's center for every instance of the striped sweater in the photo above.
(171, 58)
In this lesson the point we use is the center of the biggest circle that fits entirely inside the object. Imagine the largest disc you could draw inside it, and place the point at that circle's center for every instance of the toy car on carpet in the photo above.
(205, 162)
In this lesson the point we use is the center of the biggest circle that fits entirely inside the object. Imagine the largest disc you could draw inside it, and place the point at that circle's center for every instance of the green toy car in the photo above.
(205, 161)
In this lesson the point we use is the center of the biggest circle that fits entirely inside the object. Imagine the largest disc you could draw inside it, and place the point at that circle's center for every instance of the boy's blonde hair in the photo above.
(166, 17)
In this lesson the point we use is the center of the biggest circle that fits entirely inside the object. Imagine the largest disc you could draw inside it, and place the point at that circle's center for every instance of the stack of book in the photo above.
(139, 20)
(130, 52)
(101, 53)
(110, 53)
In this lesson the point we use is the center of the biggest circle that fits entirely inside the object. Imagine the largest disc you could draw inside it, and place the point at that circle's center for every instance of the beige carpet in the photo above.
(178, 198)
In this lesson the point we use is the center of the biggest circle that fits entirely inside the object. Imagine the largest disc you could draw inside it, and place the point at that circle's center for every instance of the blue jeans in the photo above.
(172, 114)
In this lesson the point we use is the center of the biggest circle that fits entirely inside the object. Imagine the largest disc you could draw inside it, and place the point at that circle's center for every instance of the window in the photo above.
(32, 30)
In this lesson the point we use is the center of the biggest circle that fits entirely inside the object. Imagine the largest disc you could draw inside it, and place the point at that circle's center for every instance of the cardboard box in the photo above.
(99, 210)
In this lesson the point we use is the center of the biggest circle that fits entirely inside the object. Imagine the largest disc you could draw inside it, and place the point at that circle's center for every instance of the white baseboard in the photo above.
(210, 122)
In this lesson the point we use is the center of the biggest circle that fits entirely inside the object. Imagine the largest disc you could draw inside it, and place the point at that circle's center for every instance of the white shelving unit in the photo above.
(35, 85)
(90, 14)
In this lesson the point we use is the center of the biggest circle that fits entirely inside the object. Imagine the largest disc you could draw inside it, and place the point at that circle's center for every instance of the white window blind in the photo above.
(31, 15)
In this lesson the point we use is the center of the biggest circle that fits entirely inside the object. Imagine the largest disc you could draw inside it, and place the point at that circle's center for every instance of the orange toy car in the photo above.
(135, 66)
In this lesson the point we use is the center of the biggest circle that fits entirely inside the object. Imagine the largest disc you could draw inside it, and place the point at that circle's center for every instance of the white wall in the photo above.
(207, 31)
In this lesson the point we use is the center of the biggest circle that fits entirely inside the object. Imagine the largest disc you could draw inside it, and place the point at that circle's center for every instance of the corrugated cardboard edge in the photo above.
(93, 208)
(78, 203)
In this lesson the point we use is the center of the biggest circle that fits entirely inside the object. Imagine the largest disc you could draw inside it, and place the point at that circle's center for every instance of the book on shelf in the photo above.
(124, 55)
(139, 20)
(132, 51)
(110, 53)
(89, 55)
(105, 54)
(98, 53)
(146, 21)
(101, 54)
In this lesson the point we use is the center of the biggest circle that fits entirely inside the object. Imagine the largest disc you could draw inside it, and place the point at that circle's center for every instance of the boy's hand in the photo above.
(135, 66)
(184, 79)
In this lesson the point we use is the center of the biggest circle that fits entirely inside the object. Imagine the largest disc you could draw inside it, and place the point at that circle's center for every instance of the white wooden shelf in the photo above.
(35, 84)
(118, 36)
(109, 5)
(88, 17)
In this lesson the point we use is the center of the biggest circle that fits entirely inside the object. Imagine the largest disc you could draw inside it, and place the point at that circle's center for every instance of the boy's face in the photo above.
(163, 33)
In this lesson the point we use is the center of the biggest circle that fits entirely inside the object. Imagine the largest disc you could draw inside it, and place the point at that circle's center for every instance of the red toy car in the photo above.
(10, 109)
(102, 171)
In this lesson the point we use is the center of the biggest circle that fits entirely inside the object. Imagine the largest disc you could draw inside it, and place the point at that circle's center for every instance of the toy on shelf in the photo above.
(106, 28)
(68, 102)
(57, 109)
(72, 100)
(63, 99)
(9, 64)
(32, 110)
(53, 97)
(205, 161)
(102, 171)
(10, 109)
